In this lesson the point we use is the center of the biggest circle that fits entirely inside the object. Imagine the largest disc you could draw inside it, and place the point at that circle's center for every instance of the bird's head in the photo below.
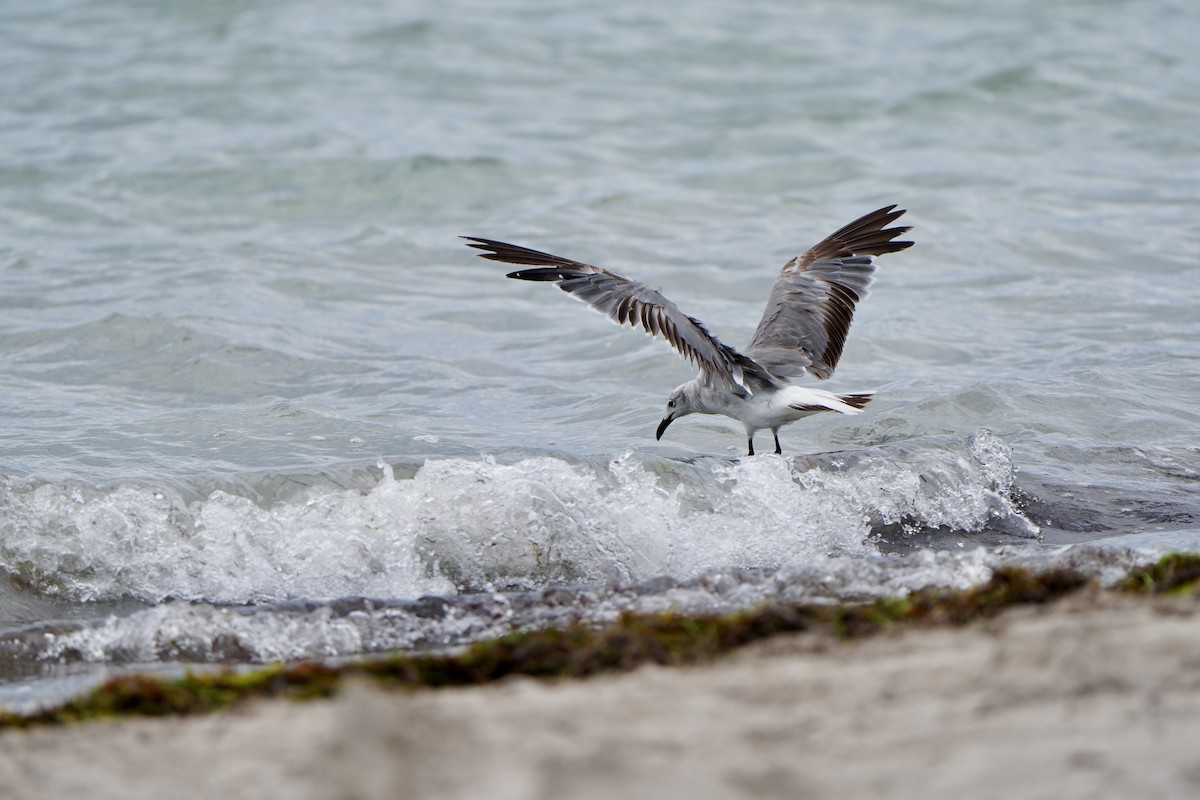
(679, 404)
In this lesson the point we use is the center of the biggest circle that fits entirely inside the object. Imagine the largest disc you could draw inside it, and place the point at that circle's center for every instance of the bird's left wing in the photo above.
(626, 301)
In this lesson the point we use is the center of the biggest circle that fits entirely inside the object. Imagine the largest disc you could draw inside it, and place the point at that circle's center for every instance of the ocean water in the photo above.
(259, 403)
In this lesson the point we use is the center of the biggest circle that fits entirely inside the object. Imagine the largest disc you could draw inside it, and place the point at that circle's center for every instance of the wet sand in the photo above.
(1095, 696)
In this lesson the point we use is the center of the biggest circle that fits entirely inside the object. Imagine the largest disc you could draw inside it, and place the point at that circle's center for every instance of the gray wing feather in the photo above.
(629, 302)
(811, 305)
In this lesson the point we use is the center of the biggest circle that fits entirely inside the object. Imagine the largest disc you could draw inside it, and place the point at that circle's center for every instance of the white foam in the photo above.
(176, 631)
(87, 544)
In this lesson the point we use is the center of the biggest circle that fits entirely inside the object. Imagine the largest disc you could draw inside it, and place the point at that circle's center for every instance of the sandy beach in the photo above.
(1095, 696)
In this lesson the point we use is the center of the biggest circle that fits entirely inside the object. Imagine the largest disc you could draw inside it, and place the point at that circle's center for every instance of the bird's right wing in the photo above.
(631, 302)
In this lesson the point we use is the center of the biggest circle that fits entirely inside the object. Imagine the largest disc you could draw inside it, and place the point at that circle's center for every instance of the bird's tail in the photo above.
(820, 400)
(856, 400)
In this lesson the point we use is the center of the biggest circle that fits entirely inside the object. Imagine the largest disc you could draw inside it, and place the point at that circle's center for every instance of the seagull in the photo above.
(802, 330)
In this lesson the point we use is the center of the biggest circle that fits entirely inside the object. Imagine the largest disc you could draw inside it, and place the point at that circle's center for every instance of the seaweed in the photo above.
(1176, 574)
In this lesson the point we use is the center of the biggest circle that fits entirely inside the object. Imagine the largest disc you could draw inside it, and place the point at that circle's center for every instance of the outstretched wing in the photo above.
(631, 302)
(808, 314)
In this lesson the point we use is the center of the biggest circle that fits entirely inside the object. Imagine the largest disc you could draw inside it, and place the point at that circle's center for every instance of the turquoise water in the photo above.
(249, 370)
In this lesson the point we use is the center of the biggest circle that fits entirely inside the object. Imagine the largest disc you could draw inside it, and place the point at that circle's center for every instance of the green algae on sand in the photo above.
(1175, 574)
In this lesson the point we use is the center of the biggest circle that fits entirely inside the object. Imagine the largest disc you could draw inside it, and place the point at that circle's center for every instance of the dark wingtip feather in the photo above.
(515, 254)
(480, 244)
(539, 274)
(865, 236)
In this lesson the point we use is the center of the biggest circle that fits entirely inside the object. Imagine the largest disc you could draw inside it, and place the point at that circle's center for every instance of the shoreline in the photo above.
(1096, 693)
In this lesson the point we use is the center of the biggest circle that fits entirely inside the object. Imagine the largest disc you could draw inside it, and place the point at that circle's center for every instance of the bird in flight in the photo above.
(802, 330)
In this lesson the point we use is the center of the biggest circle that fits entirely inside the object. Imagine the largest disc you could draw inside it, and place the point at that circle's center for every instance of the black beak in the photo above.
(662, 426)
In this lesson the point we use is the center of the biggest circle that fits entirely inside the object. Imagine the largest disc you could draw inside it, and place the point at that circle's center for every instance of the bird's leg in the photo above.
(778, 449)
(750, 443)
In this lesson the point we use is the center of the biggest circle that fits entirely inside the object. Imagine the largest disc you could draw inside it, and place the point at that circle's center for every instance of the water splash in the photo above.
(475, 524)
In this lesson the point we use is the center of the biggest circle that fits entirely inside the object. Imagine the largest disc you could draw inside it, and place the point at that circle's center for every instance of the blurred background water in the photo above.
(249, 376)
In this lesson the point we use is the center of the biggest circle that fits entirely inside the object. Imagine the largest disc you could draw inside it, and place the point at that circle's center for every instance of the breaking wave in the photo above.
(466, 525)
